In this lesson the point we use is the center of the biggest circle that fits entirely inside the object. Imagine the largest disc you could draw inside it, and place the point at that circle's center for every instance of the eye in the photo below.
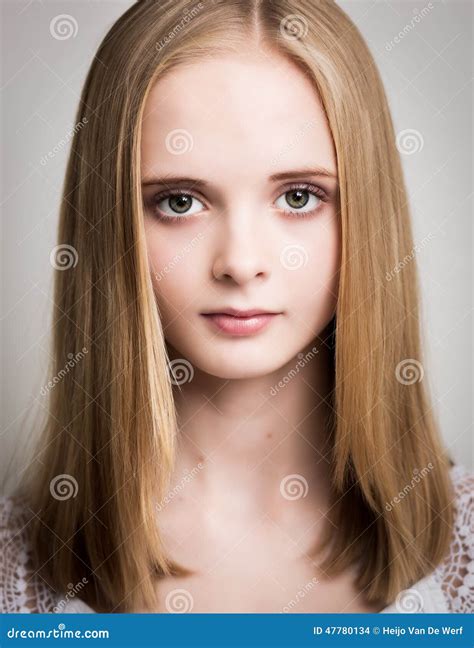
(301, 199)
(176, 205)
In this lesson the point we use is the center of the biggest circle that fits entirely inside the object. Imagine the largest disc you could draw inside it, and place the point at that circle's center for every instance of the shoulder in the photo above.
(456, 573)
(21, 588)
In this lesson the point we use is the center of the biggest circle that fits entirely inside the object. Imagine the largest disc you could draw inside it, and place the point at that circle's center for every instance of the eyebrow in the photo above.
(284, 175)
(314, 171)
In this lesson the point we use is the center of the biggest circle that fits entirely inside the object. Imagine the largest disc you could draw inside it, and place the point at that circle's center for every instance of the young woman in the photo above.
(245, 426)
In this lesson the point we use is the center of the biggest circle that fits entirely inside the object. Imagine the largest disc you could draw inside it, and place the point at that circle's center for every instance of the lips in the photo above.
(241, 313)
(240, 322)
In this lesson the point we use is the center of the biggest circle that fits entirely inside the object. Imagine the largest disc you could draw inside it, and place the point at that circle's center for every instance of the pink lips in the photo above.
(240, 323)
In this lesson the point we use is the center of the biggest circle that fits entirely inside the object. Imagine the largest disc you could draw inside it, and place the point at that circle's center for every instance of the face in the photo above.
(239, 186)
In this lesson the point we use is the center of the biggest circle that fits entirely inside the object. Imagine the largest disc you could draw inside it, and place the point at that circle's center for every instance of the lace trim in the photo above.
(455, 575)
(22, 589)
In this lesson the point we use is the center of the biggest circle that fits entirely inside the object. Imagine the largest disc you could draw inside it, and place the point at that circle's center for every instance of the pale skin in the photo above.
(248, 117)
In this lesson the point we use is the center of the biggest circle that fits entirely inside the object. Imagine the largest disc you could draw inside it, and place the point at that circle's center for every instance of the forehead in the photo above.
(240, 113)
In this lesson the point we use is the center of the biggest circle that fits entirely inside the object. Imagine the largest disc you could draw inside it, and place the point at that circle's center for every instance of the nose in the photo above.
(241, 251)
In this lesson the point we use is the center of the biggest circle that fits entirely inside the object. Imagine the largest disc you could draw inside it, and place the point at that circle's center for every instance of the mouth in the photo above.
(240, 322)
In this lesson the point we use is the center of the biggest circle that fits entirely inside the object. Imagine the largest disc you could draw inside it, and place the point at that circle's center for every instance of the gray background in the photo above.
(428, 79)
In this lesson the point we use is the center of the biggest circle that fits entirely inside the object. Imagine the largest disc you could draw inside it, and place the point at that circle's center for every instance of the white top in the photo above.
(449, 588)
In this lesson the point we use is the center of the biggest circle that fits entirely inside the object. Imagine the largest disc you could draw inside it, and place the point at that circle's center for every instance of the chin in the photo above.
(240, 365)
(238, 373)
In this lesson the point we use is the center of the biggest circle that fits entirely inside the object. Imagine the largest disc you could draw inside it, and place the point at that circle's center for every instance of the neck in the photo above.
(250, 434)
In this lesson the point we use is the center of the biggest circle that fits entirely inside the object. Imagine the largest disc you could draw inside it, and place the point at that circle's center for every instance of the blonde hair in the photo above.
(112, 427)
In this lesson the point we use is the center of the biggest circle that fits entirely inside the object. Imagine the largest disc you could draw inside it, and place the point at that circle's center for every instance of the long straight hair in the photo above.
(111, 434)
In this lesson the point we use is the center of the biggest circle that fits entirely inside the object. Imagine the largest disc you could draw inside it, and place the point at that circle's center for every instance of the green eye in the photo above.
(177, 204)
(298, 200)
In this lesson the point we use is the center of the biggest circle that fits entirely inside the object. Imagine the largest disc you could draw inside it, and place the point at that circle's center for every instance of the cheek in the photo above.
(175, 269)
(325, 267)
(314, 286)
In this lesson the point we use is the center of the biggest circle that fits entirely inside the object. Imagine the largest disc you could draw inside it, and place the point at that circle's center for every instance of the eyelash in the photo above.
(311, 188)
